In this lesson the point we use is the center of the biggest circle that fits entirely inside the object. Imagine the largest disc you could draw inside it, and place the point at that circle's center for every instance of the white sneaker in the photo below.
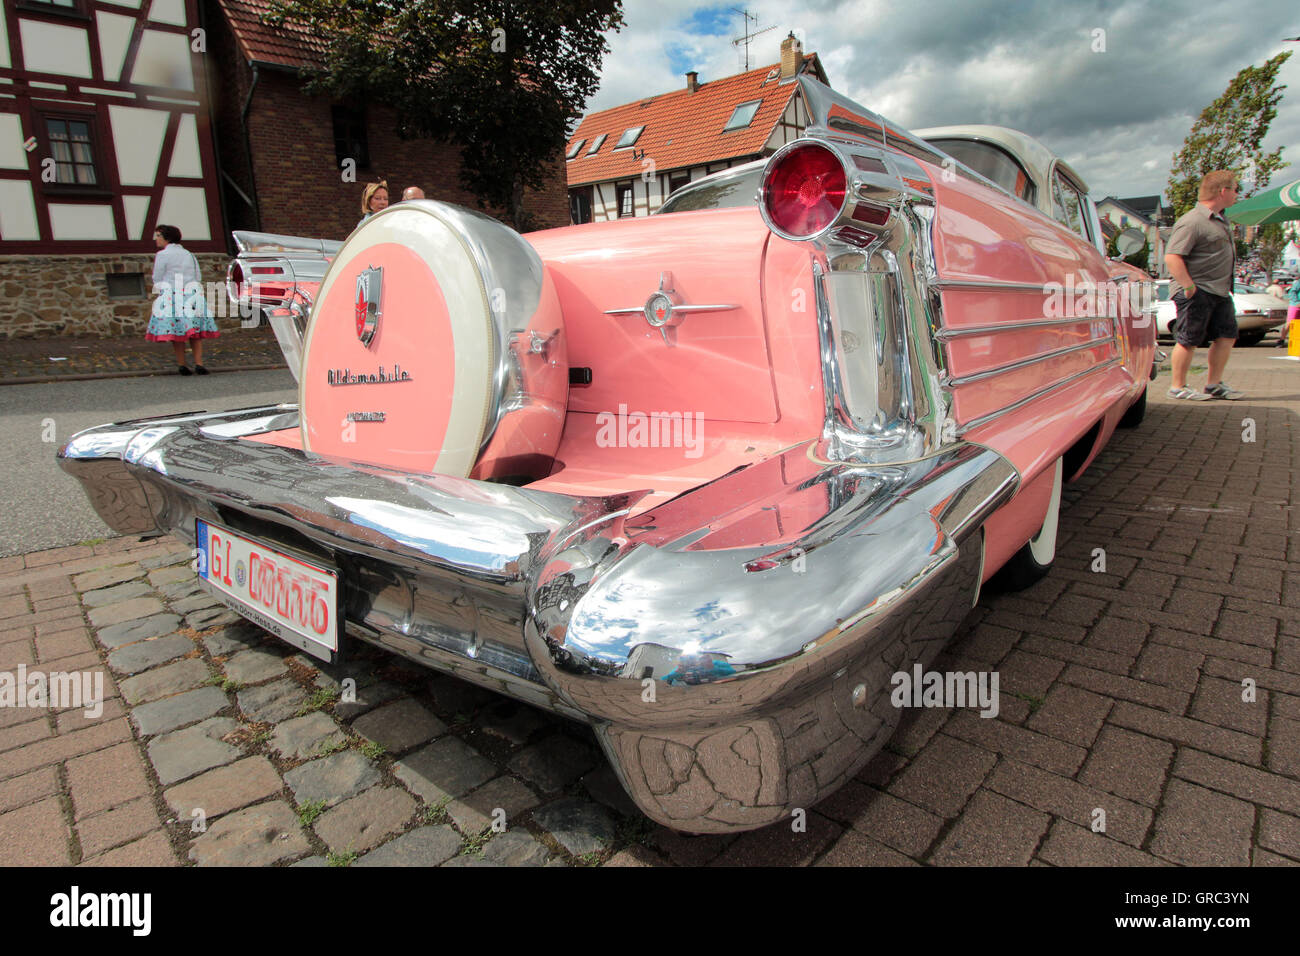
(1189, 394)
(1225, 391)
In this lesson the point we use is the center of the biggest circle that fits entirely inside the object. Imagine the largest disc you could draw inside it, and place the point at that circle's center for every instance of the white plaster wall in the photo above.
(135, 207)
(5, 60)
(17, 211)
(164, 60)
(81, 221)
(186, 208)
(12, 154)
(55, 48)
(137, 140)
(114, 37)
(168, 11)
(185, 154)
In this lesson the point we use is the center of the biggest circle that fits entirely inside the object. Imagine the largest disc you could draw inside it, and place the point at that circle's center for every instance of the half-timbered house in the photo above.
(104, 133)
(625, 161)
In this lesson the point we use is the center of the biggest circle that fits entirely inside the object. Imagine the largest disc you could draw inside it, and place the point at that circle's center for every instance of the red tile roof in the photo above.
(683, 128)
(290, 46)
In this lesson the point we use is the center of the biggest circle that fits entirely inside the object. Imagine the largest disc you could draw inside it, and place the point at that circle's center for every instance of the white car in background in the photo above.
(1257, 312)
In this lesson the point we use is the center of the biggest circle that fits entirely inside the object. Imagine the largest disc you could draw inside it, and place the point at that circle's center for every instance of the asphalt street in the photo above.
(40, 506)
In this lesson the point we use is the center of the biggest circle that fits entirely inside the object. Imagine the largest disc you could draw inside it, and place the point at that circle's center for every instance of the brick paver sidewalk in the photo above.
(1149, 710)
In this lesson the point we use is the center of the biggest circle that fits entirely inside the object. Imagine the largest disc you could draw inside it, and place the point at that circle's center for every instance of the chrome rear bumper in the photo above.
(732, 648)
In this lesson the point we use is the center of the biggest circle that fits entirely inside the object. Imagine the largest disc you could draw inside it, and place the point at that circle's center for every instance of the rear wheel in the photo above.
(1032, 562)
(1249, 338)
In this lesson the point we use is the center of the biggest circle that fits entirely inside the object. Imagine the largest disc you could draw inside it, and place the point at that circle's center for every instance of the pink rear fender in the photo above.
(717, 363)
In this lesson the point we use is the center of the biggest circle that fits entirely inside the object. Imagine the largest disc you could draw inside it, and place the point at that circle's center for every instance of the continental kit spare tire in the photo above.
(436, 346)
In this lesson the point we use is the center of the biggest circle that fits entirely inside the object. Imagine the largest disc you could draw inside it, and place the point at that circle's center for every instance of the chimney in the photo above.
(692, 81)
(791, 56)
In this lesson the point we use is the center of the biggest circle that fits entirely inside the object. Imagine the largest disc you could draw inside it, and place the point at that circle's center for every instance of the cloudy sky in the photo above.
(1116, 116)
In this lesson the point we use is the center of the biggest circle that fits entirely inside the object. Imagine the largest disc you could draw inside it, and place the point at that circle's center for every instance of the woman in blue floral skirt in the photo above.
(180, 311)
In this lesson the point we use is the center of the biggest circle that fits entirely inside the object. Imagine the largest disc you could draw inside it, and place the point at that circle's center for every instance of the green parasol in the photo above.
(1281, 204)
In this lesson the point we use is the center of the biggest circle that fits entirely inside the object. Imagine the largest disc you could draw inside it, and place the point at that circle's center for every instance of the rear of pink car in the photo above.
(704, 481)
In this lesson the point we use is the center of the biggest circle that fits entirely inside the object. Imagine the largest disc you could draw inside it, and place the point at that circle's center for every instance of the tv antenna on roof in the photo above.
(748, 36)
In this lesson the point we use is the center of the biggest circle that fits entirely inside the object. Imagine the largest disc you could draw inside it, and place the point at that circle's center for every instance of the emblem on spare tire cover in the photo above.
(370, 284)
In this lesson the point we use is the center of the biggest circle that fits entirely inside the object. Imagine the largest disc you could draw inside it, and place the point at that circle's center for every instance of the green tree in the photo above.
(501, 80)
(1269, 243)
(1229, 134)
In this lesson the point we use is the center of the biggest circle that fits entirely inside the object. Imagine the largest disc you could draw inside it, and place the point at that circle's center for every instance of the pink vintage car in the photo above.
(705, 480)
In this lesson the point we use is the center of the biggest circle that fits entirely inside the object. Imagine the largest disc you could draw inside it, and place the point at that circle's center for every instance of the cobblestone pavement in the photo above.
(1121, 694)
(26, 361)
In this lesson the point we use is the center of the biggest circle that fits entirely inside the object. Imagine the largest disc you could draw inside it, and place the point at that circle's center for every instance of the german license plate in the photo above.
(295, 600)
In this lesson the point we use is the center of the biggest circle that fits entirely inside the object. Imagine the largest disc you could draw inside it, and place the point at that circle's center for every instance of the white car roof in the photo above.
(1033, 155)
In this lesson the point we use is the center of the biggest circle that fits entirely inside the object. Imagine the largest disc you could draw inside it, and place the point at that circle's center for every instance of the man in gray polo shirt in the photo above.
(1201, 259)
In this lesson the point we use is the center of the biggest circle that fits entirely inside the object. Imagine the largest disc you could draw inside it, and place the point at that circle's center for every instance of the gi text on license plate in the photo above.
(293, 599)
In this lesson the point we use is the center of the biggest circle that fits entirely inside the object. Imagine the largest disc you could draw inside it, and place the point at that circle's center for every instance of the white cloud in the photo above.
(1118, 116)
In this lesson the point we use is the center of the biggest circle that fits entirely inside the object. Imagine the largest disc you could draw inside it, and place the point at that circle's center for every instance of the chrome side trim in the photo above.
(985, 419)
(640, 310)
(947, 334)
(989, 284)
(1025, 362)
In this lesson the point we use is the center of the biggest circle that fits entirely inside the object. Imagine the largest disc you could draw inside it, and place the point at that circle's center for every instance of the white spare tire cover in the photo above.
(435, 345)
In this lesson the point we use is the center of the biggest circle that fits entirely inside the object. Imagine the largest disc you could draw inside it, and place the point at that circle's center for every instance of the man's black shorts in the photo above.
(1203, 318)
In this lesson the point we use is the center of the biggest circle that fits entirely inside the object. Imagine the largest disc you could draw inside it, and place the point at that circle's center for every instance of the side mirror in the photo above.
(1130, 241)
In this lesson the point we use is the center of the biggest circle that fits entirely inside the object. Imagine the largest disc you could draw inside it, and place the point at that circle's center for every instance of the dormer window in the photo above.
(629, 137)
(575, 149)
(600, 141)
(743, 115)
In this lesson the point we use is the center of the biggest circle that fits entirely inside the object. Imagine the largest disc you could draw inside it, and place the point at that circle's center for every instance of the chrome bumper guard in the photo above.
(732, 648)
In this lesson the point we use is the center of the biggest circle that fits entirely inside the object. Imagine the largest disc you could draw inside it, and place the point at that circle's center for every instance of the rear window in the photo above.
(991, 162)
(718, 192)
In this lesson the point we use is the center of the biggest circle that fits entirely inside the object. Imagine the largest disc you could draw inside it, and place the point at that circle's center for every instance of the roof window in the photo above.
(743, 115)
(629, 137)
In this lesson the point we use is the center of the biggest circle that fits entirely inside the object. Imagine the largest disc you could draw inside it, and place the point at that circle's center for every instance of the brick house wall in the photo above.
(293, 174)
(299, 186)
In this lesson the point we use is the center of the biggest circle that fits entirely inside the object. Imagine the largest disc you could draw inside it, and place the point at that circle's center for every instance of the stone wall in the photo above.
(68, 295)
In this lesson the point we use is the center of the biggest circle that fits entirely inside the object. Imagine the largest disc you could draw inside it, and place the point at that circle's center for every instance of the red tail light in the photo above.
(235, 282)
(804, 191)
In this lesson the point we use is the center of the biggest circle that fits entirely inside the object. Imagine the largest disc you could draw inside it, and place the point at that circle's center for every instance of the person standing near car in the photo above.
(180, 312)
(1293, 309)
(374, 198)
(1201, 258)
